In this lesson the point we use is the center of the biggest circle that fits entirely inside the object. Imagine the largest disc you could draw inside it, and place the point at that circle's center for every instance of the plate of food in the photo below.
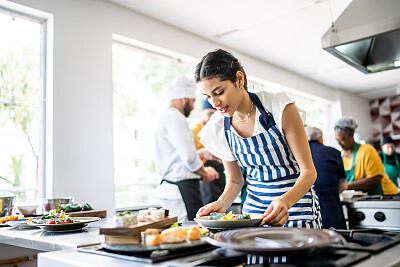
(229, 221)
(4, 220)
(22, 223)
(59, 224)
(173, 238)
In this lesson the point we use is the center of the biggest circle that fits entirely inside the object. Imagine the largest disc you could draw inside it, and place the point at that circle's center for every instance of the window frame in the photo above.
(46, 21)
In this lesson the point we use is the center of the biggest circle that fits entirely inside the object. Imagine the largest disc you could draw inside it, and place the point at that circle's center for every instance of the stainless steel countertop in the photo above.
(50, 241)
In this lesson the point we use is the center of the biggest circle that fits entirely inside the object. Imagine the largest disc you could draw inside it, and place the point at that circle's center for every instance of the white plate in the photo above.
(217, 224)
(20, 224)
(79, 223)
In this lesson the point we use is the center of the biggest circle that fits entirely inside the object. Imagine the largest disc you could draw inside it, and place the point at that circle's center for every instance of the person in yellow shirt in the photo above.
(212, 190)
(363, 166)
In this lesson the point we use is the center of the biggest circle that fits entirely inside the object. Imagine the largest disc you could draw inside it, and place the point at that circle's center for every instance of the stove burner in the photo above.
(360, 244)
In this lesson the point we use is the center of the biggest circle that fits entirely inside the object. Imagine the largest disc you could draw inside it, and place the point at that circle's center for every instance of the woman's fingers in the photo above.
(275, 215)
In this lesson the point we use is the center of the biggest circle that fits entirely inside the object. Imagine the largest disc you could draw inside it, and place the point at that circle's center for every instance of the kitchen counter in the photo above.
(38, 239)
(71, 258)
(60, 249)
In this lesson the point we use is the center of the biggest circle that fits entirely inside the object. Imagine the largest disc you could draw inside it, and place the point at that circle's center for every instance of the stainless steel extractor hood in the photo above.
(367, 35)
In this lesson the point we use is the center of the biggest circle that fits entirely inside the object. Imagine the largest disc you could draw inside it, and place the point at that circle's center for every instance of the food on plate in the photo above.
(173, 235)
(60, 221)
(126, 219)
(193, 233)
(28, 220)
(73, 207)
(143, 213)
(11, 218)
(228, 217)
(151, 215)
(152, 237)
(157, 214)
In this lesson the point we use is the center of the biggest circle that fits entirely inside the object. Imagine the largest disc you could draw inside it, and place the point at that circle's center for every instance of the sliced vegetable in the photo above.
(216, 215)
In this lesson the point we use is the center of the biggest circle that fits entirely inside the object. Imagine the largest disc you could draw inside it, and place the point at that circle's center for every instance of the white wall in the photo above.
(82, 97)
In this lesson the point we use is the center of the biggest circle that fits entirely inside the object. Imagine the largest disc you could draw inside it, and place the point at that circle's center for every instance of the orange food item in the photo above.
(152, 237)
(193, 233)
(173, 235)
(228, 217)
(11, 218)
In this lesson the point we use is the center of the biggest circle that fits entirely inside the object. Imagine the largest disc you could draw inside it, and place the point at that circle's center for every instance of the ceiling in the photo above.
(285, 33)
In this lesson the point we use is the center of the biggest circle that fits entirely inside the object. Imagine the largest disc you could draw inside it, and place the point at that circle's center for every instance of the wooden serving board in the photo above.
(136, 229)
(88, 213)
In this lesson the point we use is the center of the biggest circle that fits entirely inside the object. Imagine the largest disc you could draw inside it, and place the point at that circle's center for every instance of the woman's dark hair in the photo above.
(219, 64)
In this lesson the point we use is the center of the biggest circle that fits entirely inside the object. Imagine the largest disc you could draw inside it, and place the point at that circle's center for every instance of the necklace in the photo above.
(248, 115)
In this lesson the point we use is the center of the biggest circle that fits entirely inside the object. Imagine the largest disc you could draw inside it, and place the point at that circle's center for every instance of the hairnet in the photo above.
(313, 133)
(180, 87)
(386, 140)
(346, 124)
(206, 105)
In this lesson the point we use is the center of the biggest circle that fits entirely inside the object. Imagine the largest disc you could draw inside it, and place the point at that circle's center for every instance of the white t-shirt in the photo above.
(212, 136)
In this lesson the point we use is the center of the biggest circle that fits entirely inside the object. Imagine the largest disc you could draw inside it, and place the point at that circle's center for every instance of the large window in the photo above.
(138, 78)
(21, 108)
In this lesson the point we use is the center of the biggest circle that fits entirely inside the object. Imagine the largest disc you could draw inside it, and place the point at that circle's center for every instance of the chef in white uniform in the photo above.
(177, 161)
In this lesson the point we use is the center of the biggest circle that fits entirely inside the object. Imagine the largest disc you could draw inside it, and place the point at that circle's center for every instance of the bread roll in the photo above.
(173, 235)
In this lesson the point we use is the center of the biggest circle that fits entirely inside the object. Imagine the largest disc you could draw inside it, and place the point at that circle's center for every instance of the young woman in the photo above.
(264, 134)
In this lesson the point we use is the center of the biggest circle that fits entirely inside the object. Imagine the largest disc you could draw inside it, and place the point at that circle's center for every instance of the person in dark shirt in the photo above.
(390, 159)
(330, 179)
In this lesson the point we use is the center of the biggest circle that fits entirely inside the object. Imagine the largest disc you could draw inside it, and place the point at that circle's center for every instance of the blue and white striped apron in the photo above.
(272, 170)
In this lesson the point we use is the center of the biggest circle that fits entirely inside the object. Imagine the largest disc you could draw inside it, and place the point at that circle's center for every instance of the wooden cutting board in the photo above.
(136, 229)
(88, 213)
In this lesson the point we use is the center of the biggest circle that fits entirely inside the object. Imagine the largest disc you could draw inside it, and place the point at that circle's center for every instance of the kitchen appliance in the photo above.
(359, 247)
(53, 203)
(366, 35)
(382, 212)
(27, 210)
(6, 205)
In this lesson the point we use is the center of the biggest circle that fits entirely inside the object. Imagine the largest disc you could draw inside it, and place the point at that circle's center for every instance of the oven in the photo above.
(360, 245)
(382, 212)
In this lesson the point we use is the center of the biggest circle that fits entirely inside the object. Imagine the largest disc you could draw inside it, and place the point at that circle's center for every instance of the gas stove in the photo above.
(360, 246)
(382, 212)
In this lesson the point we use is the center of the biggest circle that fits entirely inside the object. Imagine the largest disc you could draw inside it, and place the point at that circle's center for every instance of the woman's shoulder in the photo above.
(273, 101)
(216, 119)
(368, 149)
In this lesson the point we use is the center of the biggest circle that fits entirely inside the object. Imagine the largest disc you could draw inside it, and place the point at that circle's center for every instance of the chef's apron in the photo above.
(271, 171)
(350, 175)
(191, 195)
(392, 171)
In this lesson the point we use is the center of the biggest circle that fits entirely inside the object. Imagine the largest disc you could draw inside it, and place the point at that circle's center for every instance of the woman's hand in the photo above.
(276, 214)
(216, 206)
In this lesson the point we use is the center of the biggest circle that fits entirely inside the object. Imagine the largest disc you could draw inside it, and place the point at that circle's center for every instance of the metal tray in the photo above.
(268, 240)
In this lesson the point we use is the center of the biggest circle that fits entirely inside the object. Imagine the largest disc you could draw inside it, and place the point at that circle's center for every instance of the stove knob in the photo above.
(359, 216)
(379, 216)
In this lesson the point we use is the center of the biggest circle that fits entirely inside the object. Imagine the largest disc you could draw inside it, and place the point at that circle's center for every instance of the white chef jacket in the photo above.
(176, 155)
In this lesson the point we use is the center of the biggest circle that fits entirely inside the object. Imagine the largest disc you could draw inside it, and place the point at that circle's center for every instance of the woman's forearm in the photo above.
(300, 188)
(365, 183)
(234, 183)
